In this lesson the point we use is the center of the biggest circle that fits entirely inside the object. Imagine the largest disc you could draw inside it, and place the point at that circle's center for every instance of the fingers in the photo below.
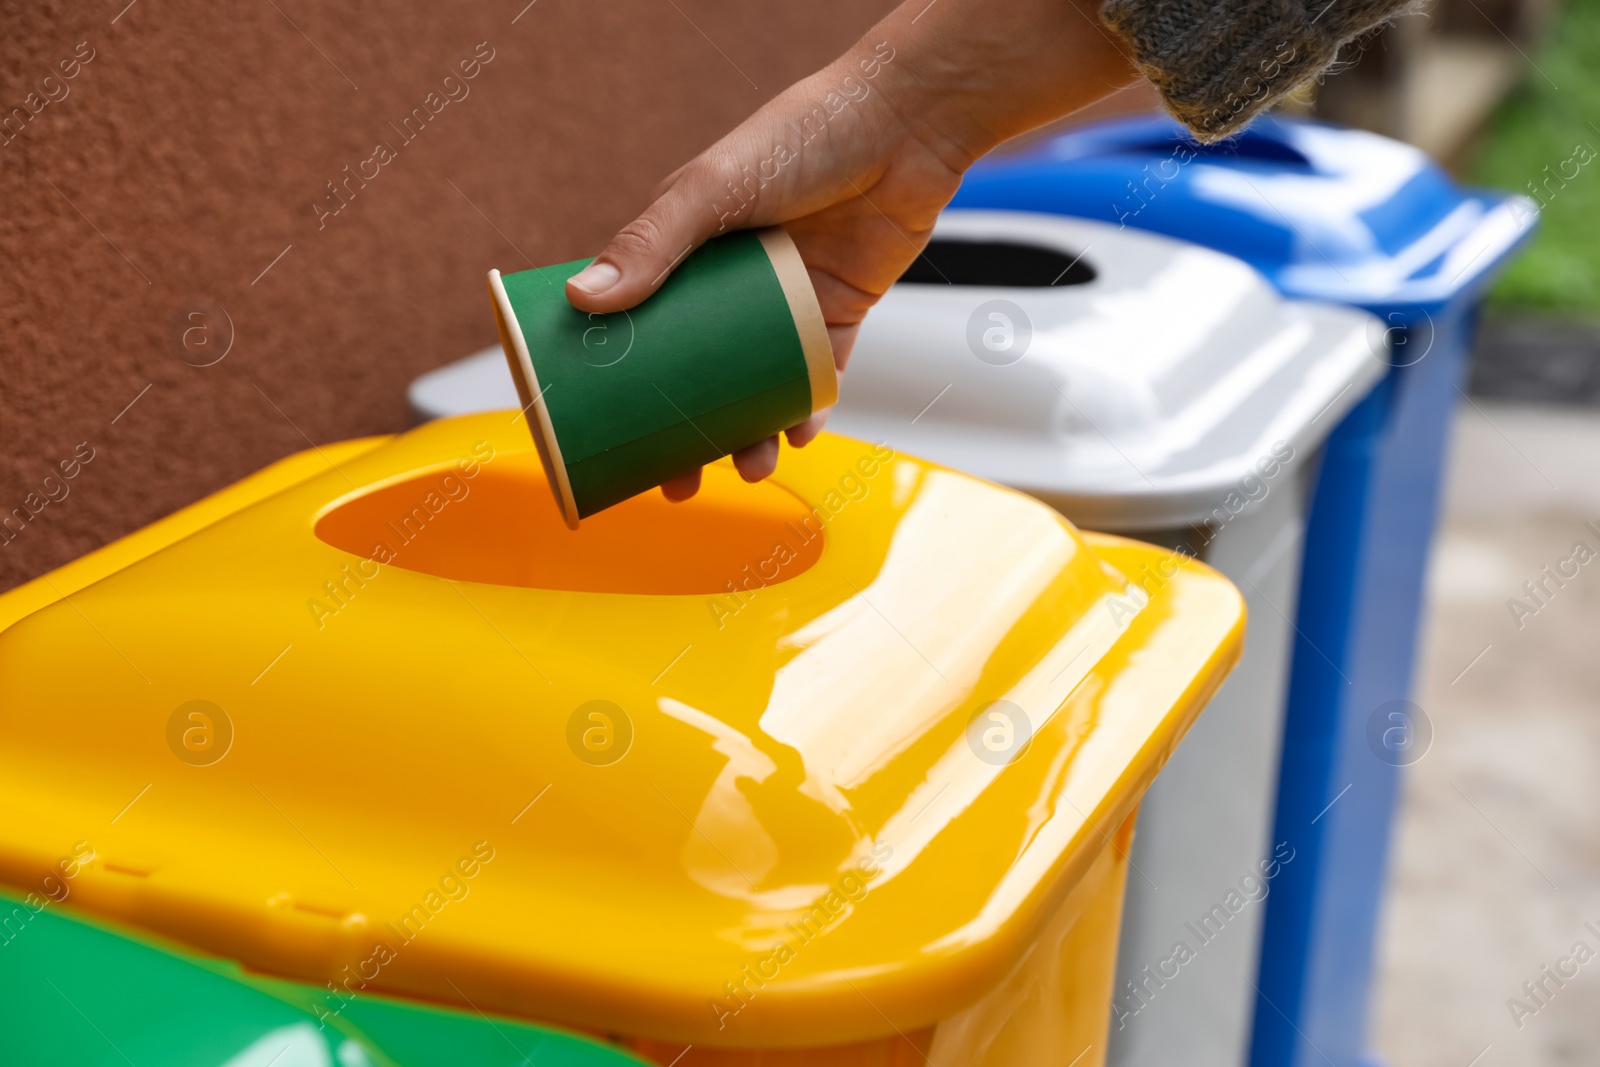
(733, 184)
(669, 181)
(803, 434)
(842, 337)
(682, 487)
(754, 463)
(642, 255)
(758, 461)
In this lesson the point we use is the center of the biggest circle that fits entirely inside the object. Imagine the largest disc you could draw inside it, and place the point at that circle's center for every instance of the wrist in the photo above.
(967, 75)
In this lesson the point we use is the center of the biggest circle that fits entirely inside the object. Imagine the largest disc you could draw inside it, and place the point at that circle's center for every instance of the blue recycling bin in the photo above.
(1346, 216)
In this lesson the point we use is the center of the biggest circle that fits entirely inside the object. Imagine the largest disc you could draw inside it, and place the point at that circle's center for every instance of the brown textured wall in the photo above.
(185, 156)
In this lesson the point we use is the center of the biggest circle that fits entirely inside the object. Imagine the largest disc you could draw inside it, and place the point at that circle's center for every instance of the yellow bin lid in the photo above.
(375, 718)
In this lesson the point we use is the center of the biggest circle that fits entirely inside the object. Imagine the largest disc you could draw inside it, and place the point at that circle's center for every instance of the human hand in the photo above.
(857, 160)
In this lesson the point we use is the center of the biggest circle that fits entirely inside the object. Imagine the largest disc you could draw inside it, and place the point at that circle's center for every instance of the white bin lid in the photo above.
(480, 382)
(1137, 400)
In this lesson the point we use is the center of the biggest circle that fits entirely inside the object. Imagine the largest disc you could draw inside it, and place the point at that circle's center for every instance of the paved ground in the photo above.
(1496, 864)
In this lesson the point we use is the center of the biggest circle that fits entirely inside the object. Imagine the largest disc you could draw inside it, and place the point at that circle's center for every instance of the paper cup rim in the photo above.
(534, 408)
(806, 312)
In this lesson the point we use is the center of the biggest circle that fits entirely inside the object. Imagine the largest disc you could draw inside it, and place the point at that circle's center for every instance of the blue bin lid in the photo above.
(1325, 213)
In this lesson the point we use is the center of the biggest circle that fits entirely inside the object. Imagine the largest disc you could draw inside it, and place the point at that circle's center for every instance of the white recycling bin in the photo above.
(1145, 386)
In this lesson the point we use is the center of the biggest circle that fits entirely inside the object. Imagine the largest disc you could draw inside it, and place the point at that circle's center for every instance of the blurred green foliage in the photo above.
(1549, 127)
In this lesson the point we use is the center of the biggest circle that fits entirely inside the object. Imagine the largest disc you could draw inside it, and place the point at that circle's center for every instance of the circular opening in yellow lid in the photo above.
(500, 528)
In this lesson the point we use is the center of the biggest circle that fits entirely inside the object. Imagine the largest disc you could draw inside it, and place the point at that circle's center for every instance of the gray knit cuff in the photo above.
(1218, 62)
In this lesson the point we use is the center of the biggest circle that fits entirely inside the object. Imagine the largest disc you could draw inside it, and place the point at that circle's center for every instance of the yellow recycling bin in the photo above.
(840, 768)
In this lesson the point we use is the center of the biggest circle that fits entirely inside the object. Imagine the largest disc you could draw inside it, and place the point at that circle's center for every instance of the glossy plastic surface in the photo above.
(398, 773)
(72, 993)
(79, 992)
(479, 382)
(1136, 400)
(1325, 213)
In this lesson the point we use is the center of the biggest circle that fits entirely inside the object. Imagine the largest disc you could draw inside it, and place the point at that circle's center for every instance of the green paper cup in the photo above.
(730, 350)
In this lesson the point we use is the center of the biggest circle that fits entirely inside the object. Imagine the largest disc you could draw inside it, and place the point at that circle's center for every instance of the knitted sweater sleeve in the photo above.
(1218, 62)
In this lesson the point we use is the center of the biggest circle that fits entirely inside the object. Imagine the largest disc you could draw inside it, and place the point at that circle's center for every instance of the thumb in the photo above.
(639, 258)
